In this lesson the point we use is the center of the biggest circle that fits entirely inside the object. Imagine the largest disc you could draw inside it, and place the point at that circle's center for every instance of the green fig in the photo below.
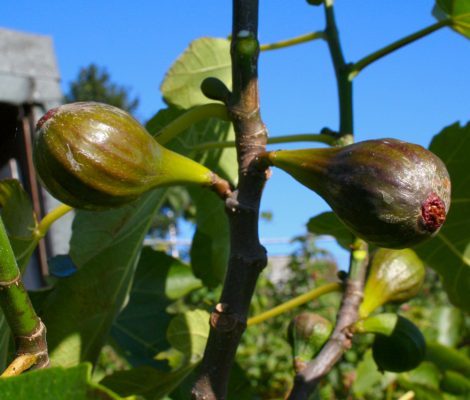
(390, 193)
(95, 156)
(394, 276)
(307, 333)
(398, 346)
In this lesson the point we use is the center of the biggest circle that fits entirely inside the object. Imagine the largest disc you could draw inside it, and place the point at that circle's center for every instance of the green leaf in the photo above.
(141, 326)
(455, 383)
(367, 375)
(426, 374)
(187, 333)
(56, 384)
(458, 11)
(205, 57)
(80, 310)
(449, 252)
(329, 224)
(210, 247)
(145, 381)
(447, 321)
(19, 219)
(421, 392)
(447, 358)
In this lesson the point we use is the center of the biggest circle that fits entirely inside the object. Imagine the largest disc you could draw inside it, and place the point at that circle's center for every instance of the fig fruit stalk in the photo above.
(95, 156)
(390, 193)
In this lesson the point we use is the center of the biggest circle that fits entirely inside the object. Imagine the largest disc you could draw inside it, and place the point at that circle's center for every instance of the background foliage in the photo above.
(139, 316)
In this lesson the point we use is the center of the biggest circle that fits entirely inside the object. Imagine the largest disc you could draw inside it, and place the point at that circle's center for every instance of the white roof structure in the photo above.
(28, 70)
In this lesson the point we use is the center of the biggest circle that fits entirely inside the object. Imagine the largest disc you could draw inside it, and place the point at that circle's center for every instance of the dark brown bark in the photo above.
(247, 256)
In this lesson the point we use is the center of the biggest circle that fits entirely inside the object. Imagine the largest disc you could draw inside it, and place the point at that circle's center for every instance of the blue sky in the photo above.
(409, 95)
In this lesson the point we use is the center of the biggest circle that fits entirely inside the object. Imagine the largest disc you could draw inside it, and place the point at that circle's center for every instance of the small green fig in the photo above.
(307, 333)
(402, 349)
(95, 156)
(394, 276)
(388, 192)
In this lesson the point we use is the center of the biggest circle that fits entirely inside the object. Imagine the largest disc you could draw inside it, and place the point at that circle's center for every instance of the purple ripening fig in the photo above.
(390, 193)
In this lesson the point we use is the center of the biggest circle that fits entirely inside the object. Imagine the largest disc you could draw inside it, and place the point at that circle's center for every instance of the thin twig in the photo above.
(305, 137)
(293, 41)
(295, 302)
(341, 339)
(357, 67)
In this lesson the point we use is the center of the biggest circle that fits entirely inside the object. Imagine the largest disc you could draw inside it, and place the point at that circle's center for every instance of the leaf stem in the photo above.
(49, 219)
(357, 67)
(295, 302)
(190, 117)
(293, 41)
(19, 365)
(304, 137)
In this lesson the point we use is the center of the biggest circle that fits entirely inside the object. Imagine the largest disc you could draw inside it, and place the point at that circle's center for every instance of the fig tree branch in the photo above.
(341, 339)
(293, 41)
(247, 256)
(295, 302)
(27, 329)
(357, 67)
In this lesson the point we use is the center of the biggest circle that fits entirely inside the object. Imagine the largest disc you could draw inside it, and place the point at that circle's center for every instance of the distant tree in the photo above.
(94, 83)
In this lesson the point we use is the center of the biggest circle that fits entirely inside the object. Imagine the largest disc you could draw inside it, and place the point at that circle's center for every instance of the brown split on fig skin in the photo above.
(46, 117)
(433, 213)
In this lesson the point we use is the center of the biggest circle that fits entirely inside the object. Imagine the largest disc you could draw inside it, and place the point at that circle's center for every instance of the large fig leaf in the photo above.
(56, 384)
(140, 328)
(203, 58)
(210, 248)
(367, 376)
(187, 333)
(458, 11)
(449, 252)
(80, 310)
